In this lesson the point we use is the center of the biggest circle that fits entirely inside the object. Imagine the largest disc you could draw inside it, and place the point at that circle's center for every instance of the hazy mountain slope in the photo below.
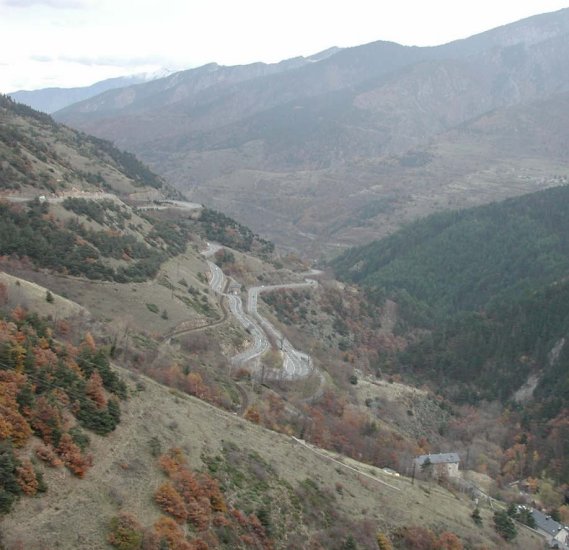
(49, 100)
(317, 138)
(212, 96)
(398, 111)
(500, 154)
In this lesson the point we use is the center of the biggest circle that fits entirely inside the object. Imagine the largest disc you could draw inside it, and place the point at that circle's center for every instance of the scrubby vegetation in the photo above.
(49, 389)
(104, 211)
(197, 515)
(126, 162)
(30, 231)
(226, 231)
(241, 502)
(20, 146)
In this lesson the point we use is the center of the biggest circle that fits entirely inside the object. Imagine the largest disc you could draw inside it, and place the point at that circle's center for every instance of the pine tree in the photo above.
(476, 516)
(504, 525)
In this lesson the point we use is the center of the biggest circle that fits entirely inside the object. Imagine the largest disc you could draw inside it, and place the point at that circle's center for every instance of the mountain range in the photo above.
(325, 152)
(49, 100)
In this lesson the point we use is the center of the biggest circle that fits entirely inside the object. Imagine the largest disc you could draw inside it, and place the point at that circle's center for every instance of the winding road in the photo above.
(295, 363)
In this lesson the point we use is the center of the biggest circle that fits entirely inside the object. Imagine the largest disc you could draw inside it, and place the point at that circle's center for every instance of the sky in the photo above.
(67, 43)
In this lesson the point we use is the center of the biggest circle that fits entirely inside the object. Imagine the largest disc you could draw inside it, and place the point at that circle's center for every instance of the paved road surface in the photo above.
(295, 363)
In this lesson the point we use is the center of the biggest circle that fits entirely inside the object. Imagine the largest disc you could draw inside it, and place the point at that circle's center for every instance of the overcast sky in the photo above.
(68, 43)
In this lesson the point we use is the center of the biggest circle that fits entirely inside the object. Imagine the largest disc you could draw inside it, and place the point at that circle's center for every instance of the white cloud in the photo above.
(41, 58)
(113, 61)
(58, 4)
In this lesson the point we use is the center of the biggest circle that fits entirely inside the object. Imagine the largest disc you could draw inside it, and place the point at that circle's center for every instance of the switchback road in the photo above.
(295, 363)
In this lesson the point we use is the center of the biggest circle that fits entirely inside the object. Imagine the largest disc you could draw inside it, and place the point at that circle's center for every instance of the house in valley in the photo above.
(438, 465)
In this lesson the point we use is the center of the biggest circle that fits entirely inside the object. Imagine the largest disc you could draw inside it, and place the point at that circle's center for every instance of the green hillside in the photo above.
(490, 284)
(467, 260)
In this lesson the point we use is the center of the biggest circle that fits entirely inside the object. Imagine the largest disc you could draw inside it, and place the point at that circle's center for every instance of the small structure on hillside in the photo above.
(438, 465)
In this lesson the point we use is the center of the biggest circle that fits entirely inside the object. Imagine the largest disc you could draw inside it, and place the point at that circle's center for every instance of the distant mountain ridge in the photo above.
(49, 100)
(323, 139)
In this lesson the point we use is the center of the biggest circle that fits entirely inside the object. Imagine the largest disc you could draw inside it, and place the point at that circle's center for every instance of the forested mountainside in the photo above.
(330, 153)
(490, 285)
(468, 259)
(515, 352)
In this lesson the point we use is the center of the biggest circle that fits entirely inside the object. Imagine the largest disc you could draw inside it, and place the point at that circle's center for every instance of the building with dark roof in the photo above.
(438, 465)
(556, 534)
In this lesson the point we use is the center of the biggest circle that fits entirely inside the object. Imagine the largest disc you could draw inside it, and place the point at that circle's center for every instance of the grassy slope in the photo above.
(76, 513)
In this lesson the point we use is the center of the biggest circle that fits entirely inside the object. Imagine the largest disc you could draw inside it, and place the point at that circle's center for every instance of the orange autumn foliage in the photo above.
(187, 485)
(95, 391)
(199, 513)
(449, 541)
(13, 425)
(47, 454)
(72, 457)
(46, 419)
(172, 461)
(252, 414)
(168, 529)
(210, 488)
(26, 478)
(44, 357)
(89, 341)
(171, 502)
(18, 314)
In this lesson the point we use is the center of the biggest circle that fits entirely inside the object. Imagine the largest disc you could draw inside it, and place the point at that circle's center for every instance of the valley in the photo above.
(331, 313)
(326, 155)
